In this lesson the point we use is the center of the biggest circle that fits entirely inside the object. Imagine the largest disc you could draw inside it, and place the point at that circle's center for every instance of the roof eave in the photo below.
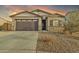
(23, 12)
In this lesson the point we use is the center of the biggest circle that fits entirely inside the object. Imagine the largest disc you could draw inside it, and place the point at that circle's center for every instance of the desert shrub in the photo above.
(72, 21)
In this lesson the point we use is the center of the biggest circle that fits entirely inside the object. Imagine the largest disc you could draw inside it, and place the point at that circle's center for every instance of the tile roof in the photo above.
(42, 11)
(24, 12)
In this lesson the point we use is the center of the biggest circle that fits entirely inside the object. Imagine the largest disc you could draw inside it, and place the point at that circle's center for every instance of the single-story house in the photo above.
(37, 20)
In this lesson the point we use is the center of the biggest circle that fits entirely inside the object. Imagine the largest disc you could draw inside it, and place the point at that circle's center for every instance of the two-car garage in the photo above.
(26, 21)
(26, 24)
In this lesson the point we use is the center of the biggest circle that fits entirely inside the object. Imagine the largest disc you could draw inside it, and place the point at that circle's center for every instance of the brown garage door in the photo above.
(27, 25)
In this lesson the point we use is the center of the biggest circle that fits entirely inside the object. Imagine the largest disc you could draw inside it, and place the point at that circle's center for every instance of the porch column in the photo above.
(40, 24)
(13, 24)
(48, 23)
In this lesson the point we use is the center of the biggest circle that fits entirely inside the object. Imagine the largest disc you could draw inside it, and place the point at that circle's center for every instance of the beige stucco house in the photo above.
(37, 20)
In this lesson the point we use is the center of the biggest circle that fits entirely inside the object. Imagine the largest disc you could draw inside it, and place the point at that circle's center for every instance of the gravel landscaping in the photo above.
(57, 43)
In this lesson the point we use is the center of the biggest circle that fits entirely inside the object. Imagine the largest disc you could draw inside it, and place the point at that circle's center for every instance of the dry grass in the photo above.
(76, 34)
(49, 42)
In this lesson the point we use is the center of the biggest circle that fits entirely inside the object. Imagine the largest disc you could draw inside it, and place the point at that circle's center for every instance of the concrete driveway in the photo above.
(18, 41)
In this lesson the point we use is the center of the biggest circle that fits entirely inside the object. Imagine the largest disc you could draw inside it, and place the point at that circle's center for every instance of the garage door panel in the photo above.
(28, 25)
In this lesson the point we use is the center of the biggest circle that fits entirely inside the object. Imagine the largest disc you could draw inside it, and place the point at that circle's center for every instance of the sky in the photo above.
(7, 10)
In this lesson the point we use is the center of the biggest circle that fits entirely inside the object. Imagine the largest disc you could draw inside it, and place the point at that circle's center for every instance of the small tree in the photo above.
(73, 21)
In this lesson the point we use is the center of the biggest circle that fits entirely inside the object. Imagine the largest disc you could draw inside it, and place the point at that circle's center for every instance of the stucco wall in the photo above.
(55, 28)
(48, 27)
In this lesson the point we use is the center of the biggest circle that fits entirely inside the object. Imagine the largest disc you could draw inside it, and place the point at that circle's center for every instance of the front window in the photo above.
(51, 22)
(54, 23)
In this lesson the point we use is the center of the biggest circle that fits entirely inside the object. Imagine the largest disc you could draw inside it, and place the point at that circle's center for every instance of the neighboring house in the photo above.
(2, 21)
(37, 20)
(5, 24)
(7, 27)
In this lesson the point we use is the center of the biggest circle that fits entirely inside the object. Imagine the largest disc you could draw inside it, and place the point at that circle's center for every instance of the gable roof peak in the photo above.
(23, 12)
(38, 10)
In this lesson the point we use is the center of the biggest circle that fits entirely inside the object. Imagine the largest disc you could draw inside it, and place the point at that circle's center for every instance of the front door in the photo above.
(43, 24)
(44, 18)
